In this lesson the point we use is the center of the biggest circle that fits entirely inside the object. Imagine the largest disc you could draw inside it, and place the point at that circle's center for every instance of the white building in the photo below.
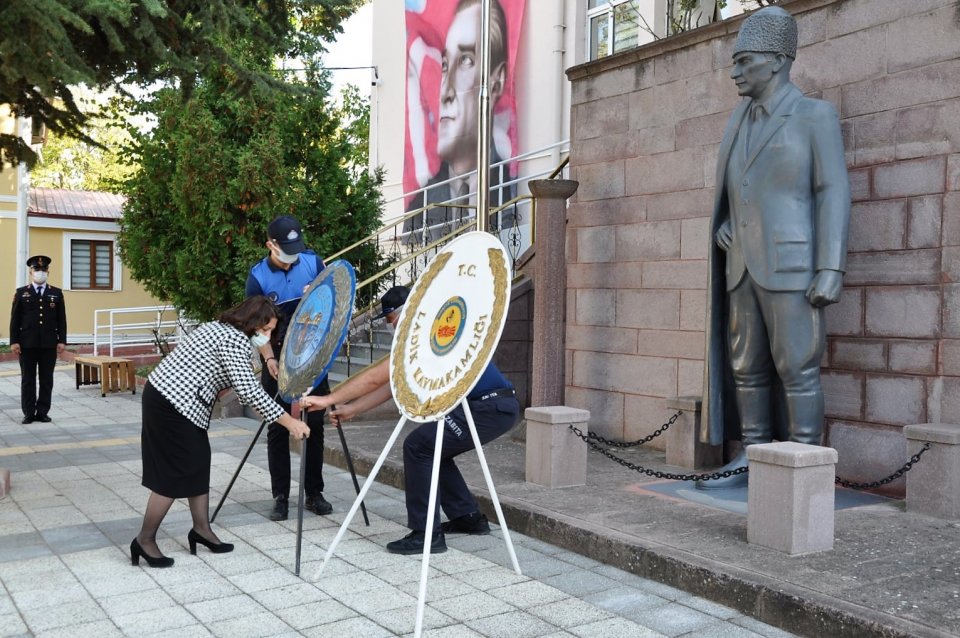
(555, 35)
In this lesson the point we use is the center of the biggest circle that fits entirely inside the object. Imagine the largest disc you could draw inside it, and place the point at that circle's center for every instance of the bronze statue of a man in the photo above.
(778, 250)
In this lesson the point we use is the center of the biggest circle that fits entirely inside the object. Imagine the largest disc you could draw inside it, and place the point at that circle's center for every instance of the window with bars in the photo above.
(612, 26)
(91, 264)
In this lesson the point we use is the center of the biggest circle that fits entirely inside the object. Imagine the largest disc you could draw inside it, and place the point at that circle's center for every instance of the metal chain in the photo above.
(655, 473)
(625, 444)
(903, 470)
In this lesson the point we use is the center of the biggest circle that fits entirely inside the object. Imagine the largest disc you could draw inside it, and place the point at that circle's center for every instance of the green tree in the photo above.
(50, 46)
(218, 167)
(71, 163)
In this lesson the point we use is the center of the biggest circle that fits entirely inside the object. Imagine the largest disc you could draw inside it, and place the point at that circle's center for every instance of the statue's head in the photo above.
(769, 30)
(764, 51)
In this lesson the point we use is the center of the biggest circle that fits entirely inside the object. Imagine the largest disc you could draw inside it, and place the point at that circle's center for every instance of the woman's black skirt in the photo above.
(176, 453)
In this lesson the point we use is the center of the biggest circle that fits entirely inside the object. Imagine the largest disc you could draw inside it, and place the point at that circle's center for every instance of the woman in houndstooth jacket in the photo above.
(177, 403)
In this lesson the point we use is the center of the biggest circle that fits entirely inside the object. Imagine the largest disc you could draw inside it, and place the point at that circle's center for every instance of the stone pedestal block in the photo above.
(683, 438)
(932, 482)
(790, 496)
(556, 457)
(4, 482)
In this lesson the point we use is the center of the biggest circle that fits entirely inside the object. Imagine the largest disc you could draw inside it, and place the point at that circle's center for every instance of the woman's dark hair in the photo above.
(250, 314)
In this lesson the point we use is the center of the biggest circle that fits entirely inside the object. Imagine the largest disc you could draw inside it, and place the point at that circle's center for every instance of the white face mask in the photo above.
(392, 329)
(283, 257)
(258, 340)
(39, 277)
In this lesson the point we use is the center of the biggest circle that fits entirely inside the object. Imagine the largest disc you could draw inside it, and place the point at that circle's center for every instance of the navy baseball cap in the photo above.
(392, 300)
(286, 231)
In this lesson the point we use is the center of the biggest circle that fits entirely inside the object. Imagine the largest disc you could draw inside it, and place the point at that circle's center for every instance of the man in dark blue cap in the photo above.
(282, 276)
(495, 410)
(38, 333)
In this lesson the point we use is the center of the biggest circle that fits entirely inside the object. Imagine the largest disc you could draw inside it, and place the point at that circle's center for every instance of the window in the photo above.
(613, 26)
(91, 264)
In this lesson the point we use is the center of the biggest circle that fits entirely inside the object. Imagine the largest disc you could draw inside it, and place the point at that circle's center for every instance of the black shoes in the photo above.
(318, 505)
(136, 552)
(280, 509)
(43, 419)
(475, 523)
(217, 548)
(28, 419)
(412, 543)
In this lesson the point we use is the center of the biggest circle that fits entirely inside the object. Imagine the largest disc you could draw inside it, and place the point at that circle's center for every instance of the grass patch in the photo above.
(144, 371)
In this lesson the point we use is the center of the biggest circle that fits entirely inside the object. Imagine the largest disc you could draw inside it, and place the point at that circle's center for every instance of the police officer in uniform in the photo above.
(38, 333)
(282, 276)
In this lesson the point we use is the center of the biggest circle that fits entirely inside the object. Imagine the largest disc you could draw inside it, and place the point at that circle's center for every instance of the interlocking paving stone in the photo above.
(65, 532)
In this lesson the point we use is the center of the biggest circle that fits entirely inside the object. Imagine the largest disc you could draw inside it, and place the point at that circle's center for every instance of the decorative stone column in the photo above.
(550, 290)
(790, 496)
(932, 482)
(556, 457)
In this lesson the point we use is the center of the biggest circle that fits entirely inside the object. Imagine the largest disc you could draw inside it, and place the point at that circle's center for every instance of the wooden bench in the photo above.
(112, 373)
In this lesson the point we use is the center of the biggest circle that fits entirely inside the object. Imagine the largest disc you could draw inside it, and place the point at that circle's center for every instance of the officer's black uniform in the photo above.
(38, 323)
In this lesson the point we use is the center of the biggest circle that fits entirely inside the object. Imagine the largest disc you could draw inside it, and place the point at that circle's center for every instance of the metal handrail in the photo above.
(112, 327)
(393, 234)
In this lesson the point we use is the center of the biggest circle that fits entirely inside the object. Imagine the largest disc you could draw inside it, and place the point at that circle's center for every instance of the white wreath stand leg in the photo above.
(431, 510)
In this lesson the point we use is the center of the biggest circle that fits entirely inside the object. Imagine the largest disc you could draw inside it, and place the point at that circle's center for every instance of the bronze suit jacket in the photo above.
(793, 211)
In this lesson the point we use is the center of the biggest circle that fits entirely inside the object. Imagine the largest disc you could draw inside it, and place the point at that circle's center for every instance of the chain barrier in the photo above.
(591, 440)
(625, 444)
(903, 470)
(595, 441)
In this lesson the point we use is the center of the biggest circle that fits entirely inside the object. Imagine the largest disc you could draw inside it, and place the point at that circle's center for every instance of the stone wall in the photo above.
(515, 350)
(646, 127)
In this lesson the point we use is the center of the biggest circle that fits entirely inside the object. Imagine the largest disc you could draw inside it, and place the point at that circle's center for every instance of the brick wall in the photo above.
(646, 127)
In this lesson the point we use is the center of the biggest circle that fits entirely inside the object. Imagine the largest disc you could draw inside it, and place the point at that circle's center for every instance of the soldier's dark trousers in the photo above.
(492, 417)
(32, 361)
(278, 444)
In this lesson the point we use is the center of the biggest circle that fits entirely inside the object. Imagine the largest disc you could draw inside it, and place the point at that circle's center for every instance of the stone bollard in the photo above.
(790, 496)
(932, 482)
(4, 482)
(556, 457)
(683, 438)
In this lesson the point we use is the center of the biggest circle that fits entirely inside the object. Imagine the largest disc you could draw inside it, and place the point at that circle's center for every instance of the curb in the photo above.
(792, 608)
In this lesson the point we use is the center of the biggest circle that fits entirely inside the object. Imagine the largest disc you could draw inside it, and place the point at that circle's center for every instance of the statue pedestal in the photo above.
(790, 497)
(556, 457)
(683, 438)
(932, 482)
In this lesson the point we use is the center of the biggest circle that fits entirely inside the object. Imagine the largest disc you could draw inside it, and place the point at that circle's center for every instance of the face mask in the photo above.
(39, 277)
(259, 340)
(283, 257)
(392, 329)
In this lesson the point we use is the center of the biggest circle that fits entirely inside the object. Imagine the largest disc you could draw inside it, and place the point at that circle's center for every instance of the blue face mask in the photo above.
(259, 340)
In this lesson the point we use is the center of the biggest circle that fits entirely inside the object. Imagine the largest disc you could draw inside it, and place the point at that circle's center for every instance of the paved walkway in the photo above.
(77, 502)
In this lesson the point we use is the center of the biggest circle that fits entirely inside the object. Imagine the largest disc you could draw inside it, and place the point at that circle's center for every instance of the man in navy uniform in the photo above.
(495, 410)
(38, 333)
(282, 276)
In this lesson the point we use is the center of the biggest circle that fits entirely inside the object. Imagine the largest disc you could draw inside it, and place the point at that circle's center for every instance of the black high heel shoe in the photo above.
(136, 552)
(217, 548)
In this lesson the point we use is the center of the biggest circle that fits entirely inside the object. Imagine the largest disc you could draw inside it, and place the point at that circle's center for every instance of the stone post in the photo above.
(550, 290)
(790, 496)
(4, 482)
(683, 438)
(556, 457)
(932, 482)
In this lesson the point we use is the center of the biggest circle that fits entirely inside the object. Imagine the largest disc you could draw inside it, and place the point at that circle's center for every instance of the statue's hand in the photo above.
(825, 288)
(724, 235)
